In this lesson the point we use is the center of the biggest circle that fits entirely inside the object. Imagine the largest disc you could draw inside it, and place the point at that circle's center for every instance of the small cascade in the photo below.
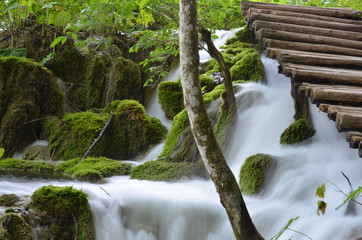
(66, 105)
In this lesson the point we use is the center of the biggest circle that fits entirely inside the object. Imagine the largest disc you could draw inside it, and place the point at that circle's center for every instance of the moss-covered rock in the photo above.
(298, 131)
(27, 92)
(9, 200)
(248, 68)
(62, 213)
(171, 98)
(94, 168)
(162, 170)
(207, 83)
(254, 172)
(24, 166)
(37, 153)
(244, 35)
(13, 227)
(130, 132)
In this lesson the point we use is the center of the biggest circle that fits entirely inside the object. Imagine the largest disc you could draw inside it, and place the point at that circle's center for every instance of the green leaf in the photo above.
(11, 6)
(57, 40)
(47, 58)
(74, 36)
(355, 193)
(284, 228)
(322, 205)
(18, 52)
(2, 151)
(5, 52)
(321, 190)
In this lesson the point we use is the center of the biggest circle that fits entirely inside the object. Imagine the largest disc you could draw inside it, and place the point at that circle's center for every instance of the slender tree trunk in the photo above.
(229, 104)
(215, 163)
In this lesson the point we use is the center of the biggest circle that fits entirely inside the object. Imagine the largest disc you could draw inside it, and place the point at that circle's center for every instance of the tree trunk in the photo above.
(215, 163)
(229, 104)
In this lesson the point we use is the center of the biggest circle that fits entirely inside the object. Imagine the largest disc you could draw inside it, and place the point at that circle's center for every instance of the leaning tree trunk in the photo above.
(229, 104)
(215, 163)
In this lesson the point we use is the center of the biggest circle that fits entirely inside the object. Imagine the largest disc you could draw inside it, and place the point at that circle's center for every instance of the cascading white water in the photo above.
(190, 209)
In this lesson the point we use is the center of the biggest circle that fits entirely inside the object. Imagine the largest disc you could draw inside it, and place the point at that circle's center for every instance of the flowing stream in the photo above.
(190, 209)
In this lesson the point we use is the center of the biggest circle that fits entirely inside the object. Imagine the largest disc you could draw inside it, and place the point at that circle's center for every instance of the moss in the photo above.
(171, 98)
(213, 66)
(37, 153)
(244, 35)
(248, 68)
(27, 92)
(253, 173)
(207, 83)
(180, 122)
(214, 94)
(95, 80)
(94, 168)
(62, 212)
(26, 166)
(162, 170)
(75, 134)
(9, 200)
(13, 227)
(297, 132)
(130, 132)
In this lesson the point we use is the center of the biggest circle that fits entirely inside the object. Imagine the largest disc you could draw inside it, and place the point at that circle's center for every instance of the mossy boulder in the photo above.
(9, 200)
(244, 35)
(298, 131)
(130, 132)
(62, 213)
(37, 153)
(253, 173)
(27, 93)
(249, 68)
(94, 169)
(171, 98)
(14, 227)
(207, 83)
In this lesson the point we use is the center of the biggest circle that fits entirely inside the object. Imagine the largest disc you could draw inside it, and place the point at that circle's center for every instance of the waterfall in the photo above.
(191, 209)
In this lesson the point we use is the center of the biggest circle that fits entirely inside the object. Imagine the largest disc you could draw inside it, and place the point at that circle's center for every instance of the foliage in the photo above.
(253, 173)
(276, 237)
(2, 151)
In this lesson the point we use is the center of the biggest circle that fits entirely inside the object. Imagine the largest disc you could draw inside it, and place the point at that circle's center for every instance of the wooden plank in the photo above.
(331, 12)
(360, 150)
(306, 38)
(308, 58)
(302, 15)
(309, 47)
(347, 121)
(327, 32)
(350, 134)
(334, 109)
(305, 22)
(355, 141)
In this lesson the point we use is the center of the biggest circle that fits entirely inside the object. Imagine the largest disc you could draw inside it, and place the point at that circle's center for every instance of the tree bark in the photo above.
(215, 163)
(229, 104)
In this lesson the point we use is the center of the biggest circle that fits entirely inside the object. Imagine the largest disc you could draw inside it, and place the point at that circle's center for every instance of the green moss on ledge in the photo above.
(298, 131)
(9, 200)
(94, 169)
(171, 98)
(207, 83)
(162, 170)
(249, 68)
(63, 213)
(11, 164)
(253, 173)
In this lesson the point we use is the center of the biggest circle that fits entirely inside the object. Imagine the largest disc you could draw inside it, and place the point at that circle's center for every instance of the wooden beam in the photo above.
(309, 47)
(330, 12)
(306, 38)
(350, 134)
(347, 121)
(327, 32)
(316, 59)
(304, 22)
(302, 15)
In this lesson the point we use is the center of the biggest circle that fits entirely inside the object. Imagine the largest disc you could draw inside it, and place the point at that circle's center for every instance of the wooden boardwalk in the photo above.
(320, 49)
